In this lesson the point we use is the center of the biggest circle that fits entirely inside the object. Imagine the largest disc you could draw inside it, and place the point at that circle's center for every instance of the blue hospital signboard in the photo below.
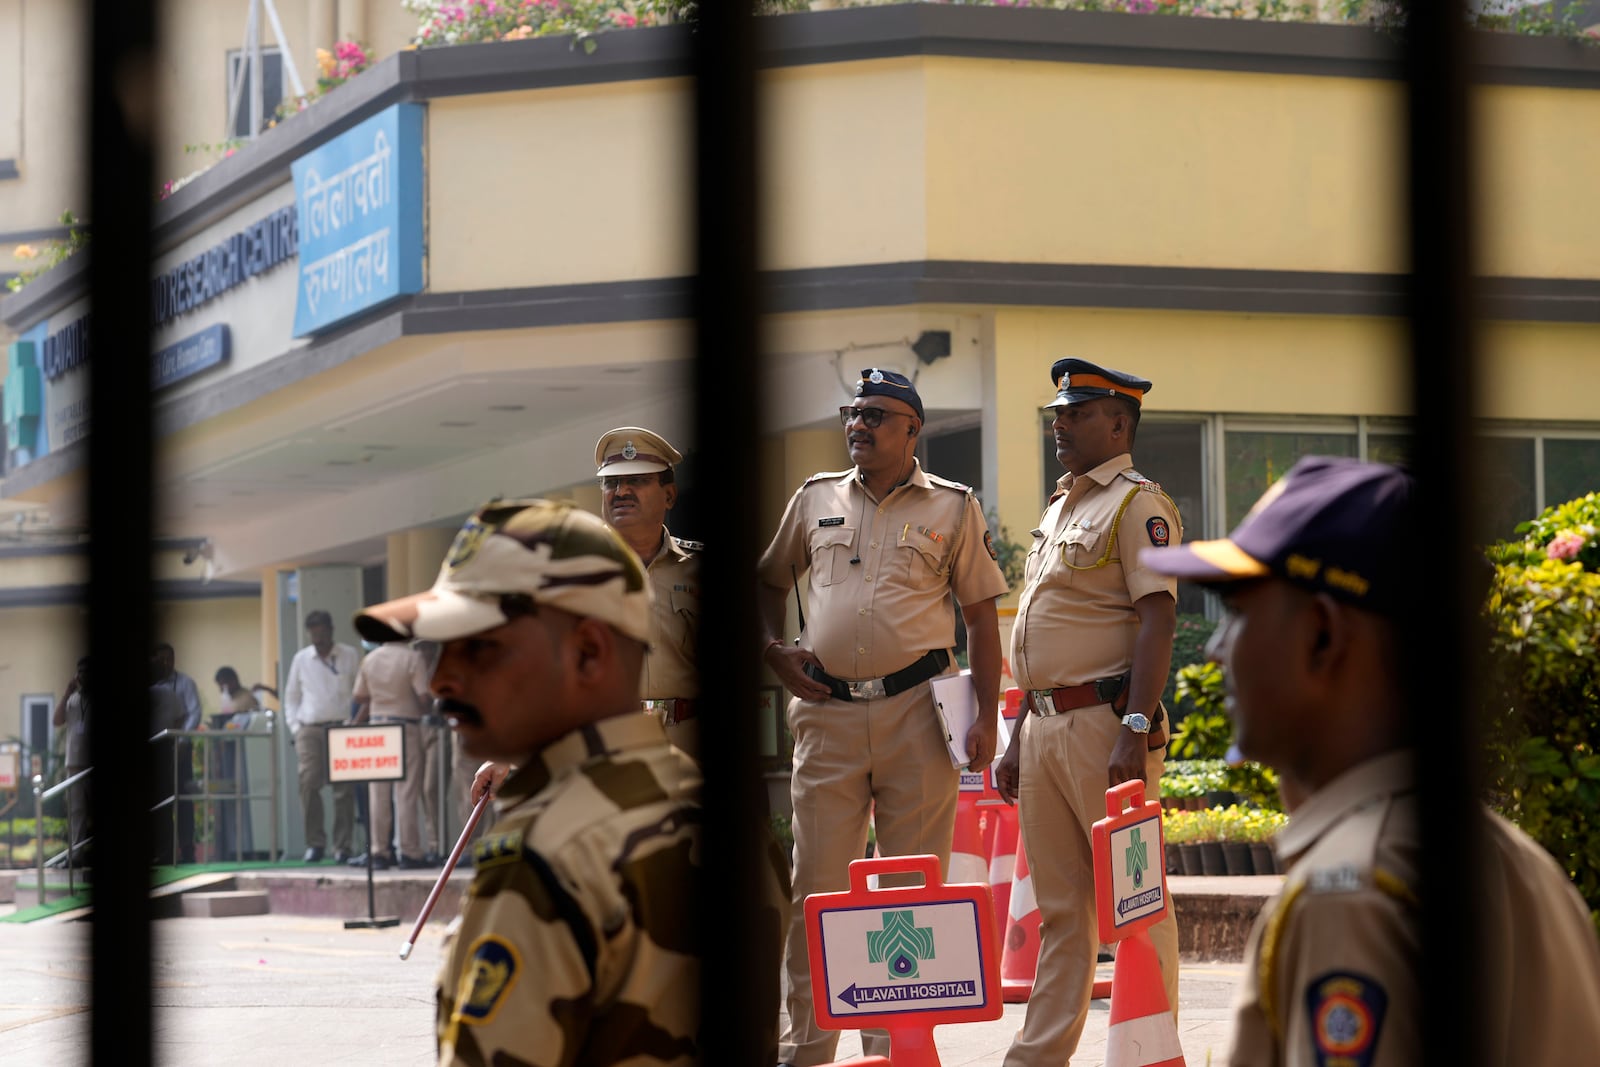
(360, 201)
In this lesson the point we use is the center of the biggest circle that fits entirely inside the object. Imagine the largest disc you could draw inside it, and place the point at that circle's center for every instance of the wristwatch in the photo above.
(1139, 724)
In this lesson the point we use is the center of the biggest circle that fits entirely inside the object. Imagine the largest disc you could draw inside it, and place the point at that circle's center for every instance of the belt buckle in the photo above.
(1043, 701)
(871, 689)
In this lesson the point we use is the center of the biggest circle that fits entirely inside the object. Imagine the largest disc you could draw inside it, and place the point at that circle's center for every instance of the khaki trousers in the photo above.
(311, 753)
(431, 774)
(885, 757)
(385, 796)
(1062, 795)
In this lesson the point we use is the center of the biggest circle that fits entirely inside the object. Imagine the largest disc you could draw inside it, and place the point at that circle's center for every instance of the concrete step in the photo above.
(226, 904)
(25, 892)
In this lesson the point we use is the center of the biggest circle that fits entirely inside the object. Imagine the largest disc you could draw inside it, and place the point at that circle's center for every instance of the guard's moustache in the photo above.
(460, 711)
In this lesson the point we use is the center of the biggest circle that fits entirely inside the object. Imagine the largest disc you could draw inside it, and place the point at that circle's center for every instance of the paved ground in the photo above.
(289, 991)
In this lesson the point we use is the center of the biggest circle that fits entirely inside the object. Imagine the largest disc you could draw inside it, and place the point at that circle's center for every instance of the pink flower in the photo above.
(624, 19)
(1565, 545)
(1141, 7)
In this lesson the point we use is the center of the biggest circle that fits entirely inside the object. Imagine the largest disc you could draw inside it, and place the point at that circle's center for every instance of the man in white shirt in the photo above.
(392, 687)
(322, 681)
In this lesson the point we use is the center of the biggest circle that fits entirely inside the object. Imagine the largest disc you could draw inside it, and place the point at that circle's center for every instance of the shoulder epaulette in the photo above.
(1141, 481)
(947, 483)
(823, 476)
(689, 546)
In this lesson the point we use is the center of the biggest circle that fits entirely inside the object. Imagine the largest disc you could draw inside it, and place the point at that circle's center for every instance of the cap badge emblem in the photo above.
(628, 451)
(876, 377)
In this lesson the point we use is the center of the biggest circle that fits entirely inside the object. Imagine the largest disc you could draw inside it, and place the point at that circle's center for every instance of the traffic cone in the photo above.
(1002, 862)
(967, 860)
(1020, 957)
(1143, 1032)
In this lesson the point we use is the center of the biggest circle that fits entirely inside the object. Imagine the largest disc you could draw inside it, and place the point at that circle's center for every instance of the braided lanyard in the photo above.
(1111, 542)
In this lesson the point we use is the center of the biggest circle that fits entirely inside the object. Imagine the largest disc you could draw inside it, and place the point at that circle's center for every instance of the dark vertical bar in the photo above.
(122, 113)
(1441, 310)
(739, 987)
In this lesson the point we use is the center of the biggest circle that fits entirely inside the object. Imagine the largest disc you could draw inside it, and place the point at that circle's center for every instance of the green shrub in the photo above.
(1204, 732)
(1542, 707)
(1188, 646)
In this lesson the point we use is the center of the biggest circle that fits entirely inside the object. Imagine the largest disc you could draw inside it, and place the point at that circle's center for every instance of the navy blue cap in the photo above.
(1078, 380)
(875, 382)
(1332, 525)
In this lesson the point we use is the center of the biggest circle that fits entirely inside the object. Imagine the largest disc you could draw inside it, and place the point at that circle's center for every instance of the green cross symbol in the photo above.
(1137, 858)
(901, 944)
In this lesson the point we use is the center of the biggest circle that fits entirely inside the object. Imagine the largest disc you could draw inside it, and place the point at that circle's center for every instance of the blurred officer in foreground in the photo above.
(1312, 581)
(637, 489)
(575, 944)
(1090, 646)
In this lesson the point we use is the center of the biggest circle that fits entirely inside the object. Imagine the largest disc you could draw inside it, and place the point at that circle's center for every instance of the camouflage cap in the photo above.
(552, 552)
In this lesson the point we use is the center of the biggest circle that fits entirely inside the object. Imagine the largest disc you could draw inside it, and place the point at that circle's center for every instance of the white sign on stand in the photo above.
(10, 767)
(369, 752)
(1137, 888)
(907, 958)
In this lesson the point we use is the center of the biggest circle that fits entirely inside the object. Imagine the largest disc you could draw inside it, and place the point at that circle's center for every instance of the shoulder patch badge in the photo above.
(497, 849)
(988, 544)
(1346, 1013)
(1159, 534)
(490, 972)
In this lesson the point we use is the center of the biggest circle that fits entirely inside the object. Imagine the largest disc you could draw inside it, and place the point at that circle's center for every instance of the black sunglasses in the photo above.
(873, 417)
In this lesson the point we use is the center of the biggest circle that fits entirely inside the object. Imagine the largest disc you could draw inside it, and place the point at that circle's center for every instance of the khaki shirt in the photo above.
(1331, 965)
(925, 540)
(1075, 622)
(394, 676)
(669, 669)
(574, 942)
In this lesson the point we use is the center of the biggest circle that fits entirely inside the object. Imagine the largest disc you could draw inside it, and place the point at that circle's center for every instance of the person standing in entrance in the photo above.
(889, 549)
(72, 712)
(1090, 647)
(392, 687)
(637, 489)
(322, 681)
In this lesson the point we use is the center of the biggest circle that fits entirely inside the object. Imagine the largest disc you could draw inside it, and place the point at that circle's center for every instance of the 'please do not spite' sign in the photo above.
(367, 753)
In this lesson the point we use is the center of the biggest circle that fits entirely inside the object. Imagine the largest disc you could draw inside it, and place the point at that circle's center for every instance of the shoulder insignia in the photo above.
(497, 849)
(690, 546)
(948, 483)
(1141, 481)
(1346, 1012)
(1156, 527)
(988, 544)
(1344, 878)
(492, 968)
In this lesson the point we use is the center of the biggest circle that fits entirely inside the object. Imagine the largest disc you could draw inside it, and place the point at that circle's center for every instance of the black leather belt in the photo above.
(889, 685)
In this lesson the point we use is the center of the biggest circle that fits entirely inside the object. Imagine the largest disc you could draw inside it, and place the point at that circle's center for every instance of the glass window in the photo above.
(1257, 459)
(1571, 469)
(1505, 492)
(957, 455)
(271, 77)
(1172, 453)
(1389, 448)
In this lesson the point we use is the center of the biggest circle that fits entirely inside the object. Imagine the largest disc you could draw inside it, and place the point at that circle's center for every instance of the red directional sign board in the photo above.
(906, 958)
(1130, 884)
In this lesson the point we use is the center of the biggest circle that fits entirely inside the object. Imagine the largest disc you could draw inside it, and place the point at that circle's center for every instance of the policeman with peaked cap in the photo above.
(1312, 583)
(885, 545)
(1090, 647)
(637, 489)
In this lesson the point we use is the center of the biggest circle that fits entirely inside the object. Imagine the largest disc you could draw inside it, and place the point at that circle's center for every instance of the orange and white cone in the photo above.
(1002, 862)
(1143, 1032)
(967, 861)
(1020, 958)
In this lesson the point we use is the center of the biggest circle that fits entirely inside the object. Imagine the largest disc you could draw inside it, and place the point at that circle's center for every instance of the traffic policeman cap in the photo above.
(1330, 525)
(876, 382)
(1078, 380)
(633, 450)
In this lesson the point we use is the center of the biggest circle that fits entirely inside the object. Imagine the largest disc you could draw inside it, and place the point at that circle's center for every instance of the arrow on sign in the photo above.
(855, 996)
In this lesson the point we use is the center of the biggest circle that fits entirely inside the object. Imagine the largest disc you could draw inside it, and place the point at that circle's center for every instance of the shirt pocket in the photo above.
(1031, 566)
(920, 566)
(1078, 547)
(831, 550)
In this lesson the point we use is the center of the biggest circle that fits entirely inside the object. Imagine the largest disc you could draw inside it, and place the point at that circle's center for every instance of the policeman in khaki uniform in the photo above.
(1090, 647)
(574, 943)
(1312, 582)
(636, 492)
(886, 545)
